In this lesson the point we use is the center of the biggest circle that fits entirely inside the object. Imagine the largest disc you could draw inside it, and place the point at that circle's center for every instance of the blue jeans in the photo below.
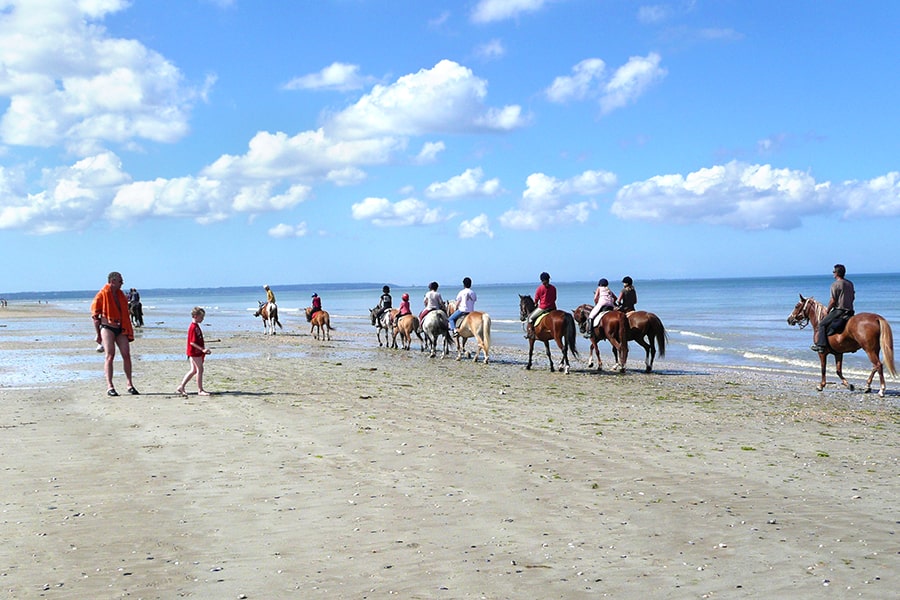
(454, 317)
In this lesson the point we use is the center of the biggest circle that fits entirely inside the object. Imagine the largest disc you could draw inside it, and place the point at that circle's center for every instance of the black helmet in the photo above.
(545, 276)
(386, 289)
(603, 283)
(627, 280)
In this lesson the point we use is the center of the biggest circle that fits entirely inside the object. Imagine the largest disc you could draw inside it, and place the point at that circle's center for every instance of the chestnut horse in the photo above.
(613, 326)
(647, 330)
(406, 326)
(868, 331)
(321, 323)
(269, 313)
(475, 324)
(556, 325)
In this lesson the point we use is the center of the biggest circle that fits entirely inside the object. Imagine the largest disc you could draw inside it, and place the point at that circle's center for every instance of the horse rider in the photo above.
(604, 300)
(385, 302)
(840, 306)
(544, 302)
(432, 301)
(404, 309)
(316, 304)
(628, 296)
(465, 303)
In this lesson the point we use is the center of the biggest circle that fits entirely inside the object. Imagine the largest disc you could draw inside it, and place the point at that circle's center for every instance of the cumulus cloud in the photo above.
(282, 231)
(447, 98)
(589, 80)
(479, 225)
(877, 197)
(488, 11)
(545, 201)
(468, 184)
(100, 90)
(429, 152)
(337, 76)
(384, 213)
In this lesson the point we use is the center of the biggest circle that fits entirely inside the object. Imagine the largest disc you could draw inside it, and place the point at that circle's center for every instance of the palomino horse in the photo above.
(475, 324)
(557, 325)
(647, 330)
(406, 326)
(613, 326)
(321, 323)
(380, 323)
(269, 313)
(434, 327)
(137, 314)
(868, 331)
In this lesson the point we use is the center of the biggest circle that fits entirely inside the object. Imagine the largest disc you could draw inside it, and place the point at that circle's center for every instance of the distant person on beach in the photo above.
(465, 303)
(385, 302)
(628, 296)
(196, 351)
(109, 311)
(432, 301)
(316, 304)
(840, 306)
(544, 302)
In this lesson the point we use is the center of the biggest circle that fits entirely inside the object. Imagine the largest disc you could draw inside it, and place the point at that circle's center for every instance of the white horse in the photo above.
(475, 324)
(381, 323)
(435, 325)
(269, 313)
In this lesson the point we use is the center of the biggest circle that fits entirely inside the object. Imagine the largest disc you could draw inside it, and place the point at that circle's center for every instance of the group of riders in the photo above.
(464, 302)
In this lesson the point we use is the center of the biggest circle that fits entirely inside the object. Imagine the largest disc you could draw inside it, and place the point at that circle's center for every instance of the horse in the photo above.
(648, 331)
(321, 323)
(557, 325)
(136, 309)
(269, 313)
(380, 323)
(475, 324)
(868, 331)
(613, 326)
(406, 326)
(434, 326)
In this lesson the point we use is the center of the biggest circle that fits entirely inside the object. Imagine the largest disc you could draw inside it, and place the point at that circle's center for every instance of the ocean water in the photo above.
(739, 322)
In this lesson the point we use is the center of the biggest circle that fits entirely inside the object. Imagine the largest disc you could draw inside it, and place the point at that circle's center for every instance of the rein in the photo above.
(805, 310)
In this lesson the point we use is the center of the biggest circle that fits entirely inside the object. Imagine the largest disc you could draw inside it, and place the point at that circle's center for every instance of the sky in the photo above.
(207, 143)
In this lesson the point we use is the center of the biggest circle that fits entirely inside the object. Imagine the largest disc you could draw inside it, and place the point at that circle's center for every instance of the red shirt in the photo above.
(545, 297)
(195, 335)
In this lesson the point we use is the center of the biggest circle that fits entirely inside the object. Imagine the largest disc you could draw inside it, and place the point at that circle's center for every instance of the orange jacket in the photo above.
(105, 305)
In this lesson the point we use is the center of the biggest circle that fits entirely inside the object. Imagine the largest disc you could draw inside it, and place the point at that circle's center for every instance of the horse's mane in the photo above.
(817, 306)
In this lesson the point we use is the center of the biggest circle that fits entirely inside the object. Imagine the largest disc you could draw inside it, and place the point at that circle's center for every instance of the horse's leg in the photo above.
(530, 351)
(549, 357)
(648, 359)
(839, 365)
(877, 367)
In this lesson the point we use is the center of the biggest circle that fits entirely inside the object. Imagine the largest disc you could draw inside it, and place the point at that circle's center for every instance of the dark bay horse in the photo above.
(647, 330)
(868, 331)
(137, 313)
(613, 327)
(269, 313)
(556, 325)
(321, 323)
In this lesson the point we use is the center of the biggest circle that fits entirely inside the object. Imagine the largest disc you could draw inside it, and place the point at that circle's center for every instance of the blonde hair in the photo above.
(197, 311)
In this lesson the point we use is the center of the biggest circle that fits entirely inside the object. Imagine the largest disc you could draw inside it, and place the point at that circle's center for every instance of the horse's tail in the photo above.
(887, 345)
(661, 337)
(571, 334)
(486, 325)
(273, 314)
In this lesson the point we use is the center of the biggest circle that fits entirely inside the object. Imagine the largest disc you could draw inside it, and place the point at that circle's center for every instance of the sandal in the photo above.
(133, 391)
(112, 392)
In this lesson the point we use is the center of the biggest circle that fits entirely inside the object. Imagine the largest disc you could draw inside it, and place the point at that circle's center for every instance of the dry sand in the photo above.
(343, 470)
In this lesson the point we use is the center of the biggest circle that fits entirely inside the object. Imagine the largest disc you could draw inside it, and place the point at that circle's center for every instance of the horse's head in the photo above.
(802, 311)
(308, 314)
(526, 306)
(259, 310)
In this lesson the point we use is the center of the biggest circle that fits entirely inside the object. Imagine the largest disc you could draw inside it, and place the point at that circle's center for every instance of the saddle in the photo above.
(599, 316)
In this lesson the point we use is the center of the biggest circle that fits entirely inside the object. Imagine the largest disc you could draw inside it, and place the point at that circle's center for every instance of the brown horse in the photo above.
(269, 313)
(321, 323)
(868, 331)
(475, 324)
(406, 326)
(613, 327)
(557, 325)
(647, 330)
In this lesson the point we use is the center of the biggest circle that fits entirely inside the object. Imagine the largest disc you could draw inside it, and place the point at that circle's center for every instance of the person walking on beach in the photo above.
(465, 303)
(840, 306)
(196, 351)
(544, 302)
(112, 323)
(628, 296)
(432, 301)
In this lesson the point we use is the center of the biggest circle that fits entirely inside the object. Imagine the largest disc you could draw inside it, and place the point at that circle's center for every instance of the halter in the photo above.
(804, 311)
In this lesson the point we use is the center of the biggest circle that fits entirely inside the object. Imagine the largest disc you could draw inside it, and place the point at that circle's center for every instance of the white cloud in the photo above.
(282, 230)
(479, 225)
(429, 152)
(582, 82)
(487, 11)
(469, 183)
(544, 201)
(655, 13)
(878, 197)
(99, 90)
(384, 213)
(490, 50)
(336, 76)
(630, 81)
(447, 98)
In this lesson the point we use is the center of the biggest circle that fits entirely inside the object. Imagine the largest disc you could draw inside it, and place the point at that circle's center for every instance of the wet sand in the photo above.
(343, 470)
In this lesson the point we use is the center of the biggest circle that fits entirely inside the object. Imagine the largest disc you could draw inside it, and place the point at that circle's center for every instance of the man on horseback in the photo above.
(604, 300)
(316, 305)
(465, 303)
(840, 306)
(544, 302)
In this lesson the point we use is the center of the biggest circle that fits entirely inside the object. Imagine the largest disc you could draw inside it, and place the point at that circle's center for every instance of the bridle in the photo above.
(803, 321)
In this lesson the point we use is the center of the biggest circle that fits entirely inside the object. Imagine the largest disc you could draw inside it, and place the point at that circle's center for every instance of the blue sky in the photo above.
(215, 143)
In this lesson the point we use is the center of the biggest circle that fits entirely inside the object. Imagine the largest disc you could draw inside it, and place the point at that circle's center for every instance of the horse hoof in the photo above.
(881, 393)
(819, 388)
(566, 370)
(851, 387)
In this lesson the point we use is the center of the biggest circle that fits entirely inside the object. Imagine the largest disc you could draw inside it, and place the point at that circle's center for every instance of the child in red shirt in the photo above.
(196, 351)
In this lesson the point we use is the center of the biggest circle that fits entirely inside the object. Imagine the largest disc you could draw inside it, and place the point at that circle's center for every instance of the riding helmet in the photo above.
(545, 276)
(405, 296)
(603, 282)
(314, 295)
(627, 280)
(386, 289)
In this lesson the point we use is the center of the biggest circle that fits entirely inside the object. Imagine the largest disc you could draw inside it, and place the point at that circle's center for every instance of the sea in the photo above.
(730, 322)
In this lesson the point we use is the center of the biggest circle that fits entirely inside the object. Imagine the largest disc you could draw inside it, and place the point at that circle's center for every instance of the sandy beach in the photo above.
(343, 470)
